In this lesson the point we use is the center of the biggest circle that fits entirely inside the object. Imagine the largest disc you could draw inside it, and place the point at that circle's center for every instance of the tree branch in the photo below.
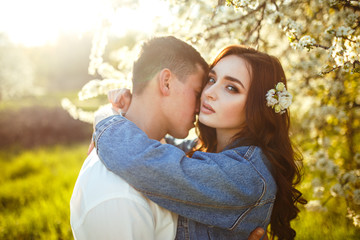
(236, 19)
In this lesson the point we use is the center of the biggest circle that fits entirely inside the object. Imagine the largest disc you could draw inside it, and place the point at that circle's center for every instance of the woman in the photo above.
(243, 172)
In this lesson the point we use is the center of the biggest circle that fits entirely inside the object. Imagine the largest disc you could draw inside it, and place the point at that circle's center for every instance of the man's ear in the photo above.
(164, 81)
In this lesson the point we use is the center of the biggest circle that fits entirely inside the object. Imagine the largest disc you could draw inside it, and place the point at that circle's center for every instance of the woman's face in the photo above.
(224, 96)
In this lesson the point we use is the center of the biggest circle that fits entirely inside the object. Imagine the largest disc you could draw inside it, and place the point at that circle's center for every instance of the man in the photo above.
(167, 83)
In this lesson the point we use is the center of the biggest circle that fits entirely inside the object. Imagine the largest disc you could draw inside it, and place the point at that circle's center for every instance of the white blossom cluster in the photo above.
(356, 196)
(344, 31)
(99, 43)
(107, 71)
(304, 42)
(315, 206)
(75, 112)
(351, 178)
(125, 57)
(355, 217)
(350, 184)
(345, 50)
(357, 158)
(97, 87)
(252, 4)
(334, 2)
(326, 165)
(291, 27)
(279, 98)
(337, 190)
(319, 191)
(323, 115)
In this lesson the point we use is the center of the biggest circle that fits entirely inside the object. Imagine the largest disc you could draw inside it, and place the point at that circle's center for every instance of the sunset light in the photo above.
(39, 22)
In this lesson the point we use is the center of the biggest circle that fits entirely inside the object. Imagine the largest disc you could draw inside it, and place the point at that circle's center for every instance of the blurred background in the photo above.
(58, 59)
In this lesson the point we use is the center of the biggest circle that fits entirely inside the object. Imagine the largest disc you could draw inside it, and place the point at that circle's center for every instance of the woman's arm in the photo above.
(204, 188)
(184, 144)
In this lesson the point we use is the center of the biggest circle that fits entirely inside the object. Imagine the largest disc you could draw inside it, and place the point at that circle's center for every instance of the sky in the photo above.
(39, 22)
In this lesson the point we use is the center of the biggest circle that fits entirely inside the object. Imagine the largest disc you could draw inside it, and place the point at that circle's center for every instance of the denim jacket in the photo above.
(222, 195)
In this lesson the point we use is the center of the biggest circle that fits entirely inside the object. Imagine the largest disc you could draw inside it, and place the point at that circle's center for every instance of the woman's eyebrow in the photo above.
(235, 80)
(229, 78)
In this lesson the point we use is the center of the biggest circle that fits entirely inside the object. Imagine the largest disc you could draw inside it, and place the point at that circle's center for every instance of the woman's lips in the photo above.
(207, 109)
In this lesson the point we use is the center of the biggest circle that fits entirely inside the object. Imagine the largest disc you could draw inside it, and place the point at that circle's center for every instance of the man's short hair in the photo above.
(165, 52)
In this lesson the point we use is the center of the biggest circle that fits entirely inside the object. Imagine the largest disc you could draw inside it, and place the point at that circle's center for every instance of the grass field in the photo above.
(36, 186)
(35, 190)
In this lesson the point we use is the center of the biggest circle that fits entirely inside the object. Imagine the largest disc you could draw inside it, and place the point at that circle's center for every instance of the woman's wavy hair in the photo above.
(269, 131)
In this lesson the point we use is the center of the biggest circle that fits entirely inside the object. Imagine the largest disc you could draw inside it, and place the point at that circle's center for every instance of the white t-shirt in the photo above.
(104, 206)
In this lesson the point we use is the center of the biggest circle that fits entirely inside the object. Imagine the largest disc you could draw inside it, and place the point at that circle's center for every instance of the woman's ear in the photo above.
(164, 81)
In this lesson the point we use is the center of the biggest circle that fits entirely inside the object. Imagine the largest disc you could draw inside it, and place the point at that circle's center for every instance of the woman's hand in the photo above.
(120, 100)
(257, 234)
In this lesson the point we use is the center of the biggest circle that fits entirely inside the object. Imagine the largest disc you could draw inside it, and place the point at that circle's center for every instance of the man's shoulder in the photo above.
(96, 184)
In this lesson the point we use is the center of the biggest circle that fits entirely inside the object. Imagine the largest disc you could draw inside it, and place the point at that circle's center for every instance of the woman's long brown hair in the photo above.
(269, 131)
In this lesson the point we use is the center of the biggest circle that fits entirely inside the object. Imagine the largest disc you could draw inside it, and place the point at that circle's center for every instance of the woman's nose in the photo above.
(210, 92)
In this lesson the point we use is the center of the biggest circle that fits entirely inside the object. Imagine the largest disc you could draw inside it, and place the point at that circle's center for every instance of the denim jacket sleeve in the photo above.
(211, 188)
(185, 145)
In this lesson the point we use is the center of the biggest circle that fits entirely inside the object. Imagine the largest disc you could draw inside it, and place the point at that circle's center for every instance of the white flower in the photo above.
(306, 42)
(290, 26)
(75, 112)
(277, 108)
(321, 164)
(356, 220)
(279, 99)
(318, 192)
(280, 86)
(329, 30)
(271, 100)
(344, 31)
(316, 182)
(352, 215)
(333, 2)
(357, 158)
(285, 99)
(351, 18)
(337, 190)
(271, 92)
(315, 206)
(332, 169)
(349, 177)
(356, 196)
(90, 90)
(294, 45)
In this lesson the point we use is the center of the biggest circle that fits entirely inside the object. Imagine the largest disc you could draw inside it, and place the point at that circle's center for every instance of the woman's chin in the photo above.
(204, 120)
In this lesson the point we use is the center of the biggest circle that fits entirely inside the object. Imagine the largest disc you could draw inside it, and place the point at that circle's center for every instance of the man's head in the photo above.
(165, 52)
(172, 74)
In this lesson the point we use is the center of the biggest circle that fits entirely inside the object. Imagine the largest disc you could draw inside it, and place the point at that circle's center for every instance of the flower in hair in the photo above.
(278, 98)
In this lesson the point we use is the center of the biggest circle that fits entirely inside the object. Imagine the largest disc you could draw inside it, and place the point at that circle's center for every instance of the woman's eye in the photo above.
(232, 88)
(211, 80)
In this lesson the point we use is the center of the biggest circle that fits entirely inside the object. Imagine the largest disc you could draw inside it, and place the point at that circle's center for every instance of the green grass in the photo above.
(35, 190)
(53, 100)
(329, 225)
(36, 186)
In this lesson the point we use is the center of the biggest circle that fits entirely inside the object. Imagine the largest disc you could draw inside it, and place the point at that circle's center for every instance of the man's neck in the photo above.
(143, 113)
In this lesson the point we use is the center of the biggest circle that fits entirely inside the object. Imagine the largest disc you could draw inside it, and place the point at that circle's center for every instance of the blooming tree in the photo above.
(318, 43)
(17, 73)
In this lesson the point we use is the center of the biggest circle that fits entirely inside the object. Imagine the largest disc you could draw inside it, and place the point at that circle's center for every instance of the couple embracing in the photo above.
(238, 177)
